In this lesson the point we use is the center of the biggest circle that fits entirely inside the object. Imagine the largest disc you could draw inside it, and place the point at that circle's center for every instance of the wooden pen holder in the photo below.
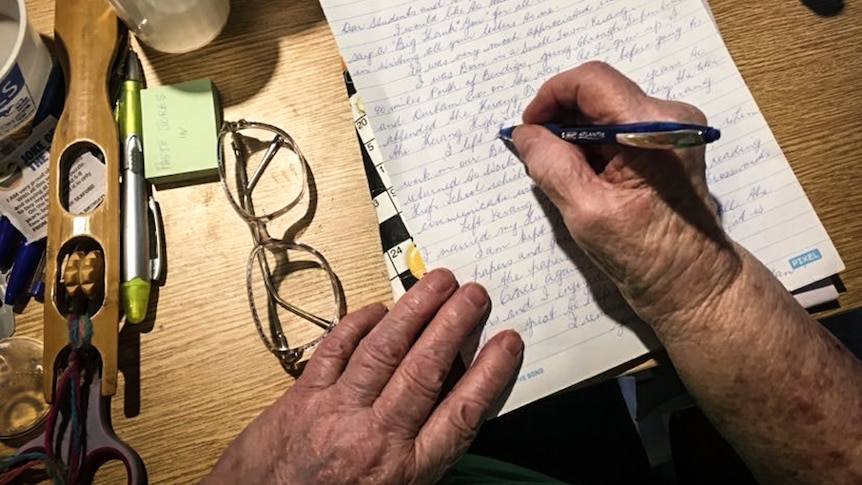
(88, 37)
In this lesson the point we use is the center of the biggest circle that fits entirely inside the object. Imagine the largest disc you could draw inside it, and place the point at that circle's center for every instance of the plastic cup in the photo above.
(22, 405)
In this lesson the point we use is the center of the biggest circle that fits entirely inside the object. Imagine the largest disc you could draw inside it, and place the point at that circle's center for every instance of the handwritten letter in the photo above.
(440, 77)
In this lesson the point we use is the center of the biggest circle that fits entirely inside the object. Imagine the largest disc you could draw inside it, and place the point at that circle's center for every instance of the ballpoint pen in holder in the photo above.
(265, 176)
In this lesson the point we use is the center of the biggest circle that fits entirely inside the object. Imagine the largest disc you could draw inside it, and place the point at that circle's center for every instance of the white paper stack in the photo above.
(439, 78)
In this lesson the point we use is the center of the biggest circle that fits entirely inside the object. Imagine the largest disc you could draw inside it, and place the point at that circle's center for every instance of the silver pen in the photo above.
(136, 265)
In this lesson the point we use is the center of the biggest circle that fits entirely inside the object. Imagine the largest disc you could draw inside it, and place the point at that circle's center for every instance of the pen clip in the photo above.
(157, 266)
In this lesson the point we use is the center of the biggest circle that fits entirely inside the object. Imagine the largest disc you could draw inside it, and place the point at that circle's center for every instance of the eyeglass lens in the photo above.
(293, 293)
(264, 173)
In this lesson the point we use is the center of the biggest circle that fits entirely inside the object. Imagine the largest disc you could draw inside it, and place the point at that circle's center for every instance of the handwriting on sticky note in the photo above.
(163, 123)
(440, 77)
(180, 123)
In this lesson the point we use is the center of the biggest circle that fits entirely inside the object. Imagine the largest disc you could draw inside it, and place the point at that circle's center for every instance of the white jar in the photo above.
(174, 26)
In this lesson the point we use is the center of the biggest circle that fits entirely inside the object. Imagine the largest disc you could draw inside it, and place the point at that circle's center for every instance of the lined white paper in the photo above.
(440, 77)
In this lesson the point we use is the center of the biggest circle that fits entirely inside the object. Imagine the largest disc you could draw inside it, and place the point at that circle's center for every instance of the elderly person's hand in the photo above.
(368, 408)
(644, 216)
(779, 387)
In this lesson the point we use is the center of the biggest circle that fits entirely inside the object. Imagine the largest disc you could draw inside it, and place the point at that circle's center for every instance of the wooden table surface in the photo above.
(195, 373)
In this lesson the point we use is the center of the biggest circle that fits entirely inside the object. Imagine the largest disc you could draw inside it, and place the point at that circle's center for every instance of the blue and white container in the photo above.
(25, 64)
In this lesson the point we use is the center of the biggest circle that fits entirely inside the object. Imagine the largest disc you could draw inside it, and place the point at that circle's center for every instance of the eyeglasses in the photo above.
(264, 176)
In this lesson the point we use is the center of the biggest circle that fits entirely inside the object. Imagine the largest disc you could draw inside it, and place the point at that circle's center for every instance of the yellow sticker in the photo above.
(414, 262)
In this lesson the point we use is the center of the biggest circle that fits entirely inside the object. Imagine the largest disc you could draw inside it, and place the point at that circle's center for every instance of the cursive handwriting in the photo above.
(439, 78)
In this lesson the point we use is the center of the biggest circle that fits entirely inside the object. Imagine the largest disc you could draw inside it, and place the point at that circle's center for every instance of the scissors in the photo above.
(99, 443)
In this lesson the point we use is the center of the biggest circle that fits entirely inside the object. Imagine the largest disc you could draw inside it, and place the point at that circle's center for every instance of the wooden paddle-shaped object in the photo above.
(82, 268)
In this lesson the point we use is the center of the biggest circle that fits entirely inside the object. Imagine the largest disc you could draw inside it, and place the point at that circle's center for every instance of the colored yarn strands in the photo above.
(16, 465)
(69, 398)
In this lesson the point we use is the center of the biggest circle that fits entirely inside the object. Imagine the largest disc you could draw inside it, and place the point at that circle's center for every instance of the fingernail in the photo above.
(510, 145)
(377, 307)
(439, 280)
(476, 294)
(512, 343)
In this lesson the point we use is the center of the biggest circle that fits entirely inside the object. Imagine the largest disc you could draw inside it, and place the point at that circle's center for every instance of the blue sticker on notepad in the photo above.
(805, 258)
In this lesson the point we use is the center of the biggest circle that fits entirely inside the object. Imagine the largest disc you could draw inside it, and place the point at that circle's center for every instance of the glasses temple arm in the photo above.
(267, 157)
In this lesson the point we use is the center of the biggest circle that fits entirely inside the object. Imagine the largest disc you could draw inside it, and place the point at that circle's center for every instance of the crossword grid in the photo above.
(400, 253)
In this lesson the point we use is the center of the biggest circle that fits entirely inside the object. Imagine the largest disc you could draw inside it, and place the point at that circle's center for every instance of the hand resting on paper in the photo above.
(783, 391)
(366, 408)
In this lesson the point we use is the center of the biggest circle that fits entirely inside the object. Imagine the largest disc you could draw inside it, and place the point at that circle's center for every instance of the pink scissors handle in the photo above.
(100, 444)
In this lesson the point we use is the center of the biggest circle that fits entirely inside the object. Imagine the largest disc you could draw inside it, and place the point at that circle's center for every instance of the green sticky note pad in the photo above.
(180, 132)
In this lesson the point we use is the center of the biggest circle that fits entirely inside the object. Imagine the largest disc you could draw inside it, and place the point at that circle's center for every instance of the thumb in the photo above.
(559, 168)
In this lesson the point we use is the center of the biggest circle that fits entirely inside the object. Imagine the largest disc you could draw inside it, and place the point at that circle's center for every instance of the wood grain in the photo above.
(195, 373)
(86, 48)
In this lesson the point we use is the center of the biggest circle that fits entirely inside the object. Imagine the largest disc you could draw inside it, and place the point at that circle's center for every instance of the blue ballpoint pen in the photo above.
(661, 135)
(25, 265)
(37, 286)
(10, 242)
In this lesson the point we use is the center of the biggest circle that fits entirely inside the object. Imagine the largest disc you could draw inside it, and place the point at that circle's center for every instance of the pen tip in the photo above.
(133, 66)
(505, 134)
